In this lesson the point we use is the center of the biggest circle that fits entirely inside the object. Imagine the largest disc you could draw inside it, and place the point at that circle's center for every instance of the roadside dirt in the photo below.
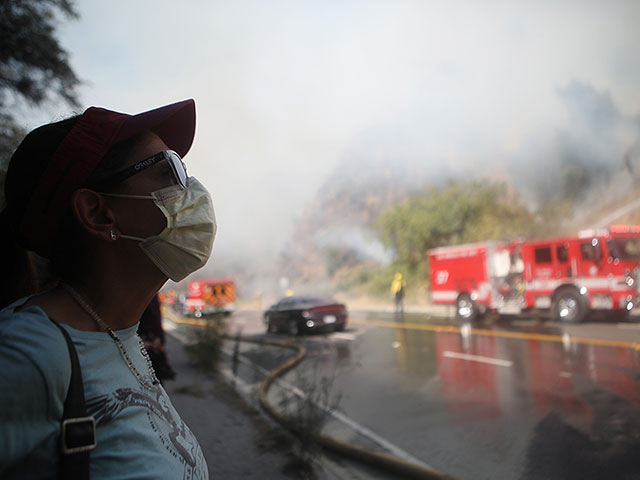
(236, 441)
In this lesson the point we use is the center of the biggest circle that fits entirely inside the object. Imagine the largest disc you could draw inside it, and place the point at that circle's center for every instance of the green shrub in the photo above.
(308, 408)
(205, 352)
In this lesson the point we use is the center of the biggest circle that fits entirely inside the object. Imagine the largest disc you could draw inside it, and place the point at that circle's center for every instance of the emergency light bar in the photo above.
(625, 229)
(592, 232)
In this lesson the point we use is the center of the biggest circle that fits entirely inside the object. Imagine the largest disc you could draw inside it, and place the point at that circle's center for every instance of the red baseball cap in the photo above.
(80, 152)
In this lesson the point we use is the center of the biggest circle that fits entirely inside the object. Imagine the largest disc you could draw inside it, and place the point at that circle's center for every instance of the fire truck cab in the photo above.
(210, 296)
(568, 277)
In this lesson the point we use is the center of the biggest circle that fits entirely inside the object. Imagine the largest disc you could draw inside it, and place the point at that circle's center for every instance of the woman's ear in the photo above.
(93, 214)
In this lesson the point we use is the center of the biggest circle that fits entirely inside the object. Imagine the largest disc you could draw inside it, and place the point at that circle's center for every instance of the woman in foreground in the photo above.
(106, 199)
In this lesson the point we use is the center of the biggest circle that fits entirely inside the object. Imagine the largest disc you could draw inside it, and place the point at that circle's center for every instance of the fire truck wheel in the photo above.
(569, 306)
(466, 309)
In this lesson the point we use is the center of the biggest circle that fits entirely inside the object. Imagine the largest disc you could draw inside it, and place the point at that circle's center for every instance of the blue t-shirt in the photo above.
(140, 435)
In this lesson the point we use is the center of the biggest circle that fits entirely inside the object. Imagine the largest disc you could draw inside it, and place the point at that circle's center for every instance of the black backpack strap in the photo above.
(78, 433)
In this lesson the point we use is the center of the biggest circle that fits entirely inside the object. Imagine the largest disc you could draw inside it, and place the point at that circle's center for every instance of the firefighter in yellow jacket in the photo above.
(397, 290)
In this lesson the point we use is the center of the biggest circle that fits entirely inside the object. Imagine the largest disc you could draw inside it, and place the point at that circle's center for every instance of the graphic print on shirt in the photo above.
(173, 432)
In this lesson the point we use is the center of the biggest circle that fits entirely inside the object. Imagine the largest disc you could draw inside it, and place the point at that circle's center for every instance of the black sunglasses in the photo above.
(178, 169)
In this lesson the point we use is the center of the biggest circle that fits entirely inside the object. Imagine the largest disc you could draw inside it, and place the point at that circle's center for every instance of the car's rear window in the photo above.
(315, 300)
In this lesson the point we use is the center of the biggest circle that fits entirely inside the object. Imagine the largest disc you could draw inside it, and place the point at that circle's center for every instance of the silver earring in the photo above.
(113, 235)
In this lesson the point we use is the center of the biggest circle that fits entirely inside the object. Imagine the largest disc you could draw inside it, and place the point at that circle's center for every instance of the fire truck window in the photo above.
(543, 255)
(561, 253)
(632, 248)
(624, 248)
(589, 252)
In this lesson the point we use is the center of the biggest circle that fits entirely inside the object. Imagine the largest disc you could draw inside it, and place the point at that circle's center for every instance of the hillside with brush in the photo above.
(379, 210)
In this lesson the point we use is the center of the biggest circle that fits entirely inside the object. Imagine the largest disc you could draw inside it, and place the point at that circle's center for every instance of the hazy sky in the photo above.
(284, 88)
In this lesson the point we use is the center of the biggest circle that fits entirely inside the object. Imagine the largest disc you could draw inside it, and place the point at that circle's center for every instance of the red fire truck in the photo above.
(570, 276)
(210, 296)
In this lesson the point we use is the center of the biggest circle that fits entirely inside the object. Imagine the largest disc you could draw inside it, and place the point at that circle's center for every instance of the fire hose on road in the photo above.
(373, 458)
(376, 459)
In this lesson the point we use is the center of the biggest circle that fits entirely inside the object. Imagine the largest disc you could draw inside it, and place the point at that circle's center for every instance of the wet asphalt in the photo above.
(503, 398)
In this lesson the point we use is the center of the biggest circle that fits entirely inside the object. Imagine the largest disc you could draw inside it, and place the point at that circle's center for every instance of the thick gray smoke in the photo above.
(591, 161)
(352, 238)
(296, 99)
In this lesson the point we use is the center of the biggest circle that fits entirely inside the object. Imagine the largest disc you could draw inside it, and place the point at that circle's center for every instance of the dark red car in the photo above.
(297, 315)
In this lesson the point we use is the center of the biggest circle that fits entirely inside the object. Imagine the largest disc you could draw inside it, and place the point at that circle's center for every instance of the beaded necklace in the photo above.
(123, 351)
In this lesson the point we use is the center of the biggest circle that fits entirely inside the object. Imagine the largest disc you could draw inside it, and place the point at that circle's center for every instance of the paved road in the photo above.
(476, 404)
(514, 399)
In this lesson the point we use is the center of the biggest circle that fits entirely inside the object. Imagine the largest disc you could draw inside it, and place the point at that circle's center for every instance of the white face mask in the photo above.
(185, 244)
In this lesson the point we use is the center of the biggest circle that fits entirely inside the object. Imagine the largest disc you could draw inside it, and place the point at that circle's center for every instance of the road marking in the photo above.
(371, 435)
(478, 358)
(344, 336)
(188, 321)
(502, 334)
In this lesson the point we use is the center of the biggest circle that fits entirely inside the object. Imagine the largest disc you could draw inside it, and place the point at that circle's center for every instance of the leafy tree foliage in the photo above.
(34, 68)
(10, 136)
(461, 212)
